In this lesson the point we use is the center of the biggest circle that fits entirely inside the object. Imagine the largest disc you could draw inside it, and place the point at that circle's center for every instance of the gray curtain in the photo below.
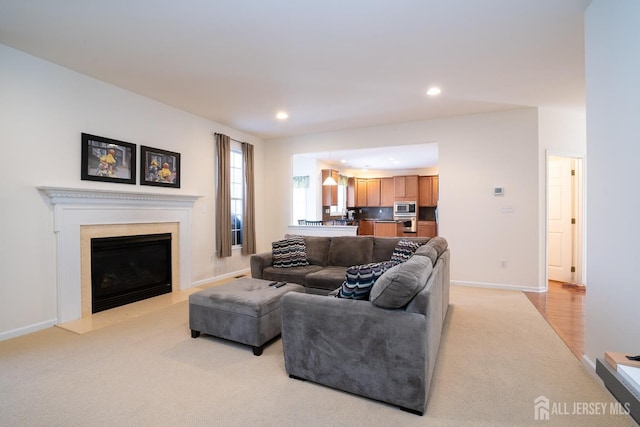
(249, 214)
(223, 196)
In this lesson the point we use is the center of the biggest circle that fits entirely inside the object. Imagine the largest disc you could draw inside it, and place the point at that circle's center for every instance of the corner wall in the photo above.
(612, 37)
(43, 110)
(476, 152)
(561, 133)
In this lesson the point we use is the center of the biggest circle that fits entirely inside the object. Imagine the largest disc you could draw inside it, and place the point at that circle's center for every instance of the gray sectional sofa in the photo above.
(384, 348)
(329, 258)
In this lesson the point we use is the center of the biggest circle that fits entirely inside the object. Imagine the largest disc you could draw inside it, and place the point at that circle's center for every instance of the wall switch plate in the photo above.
(507, 209)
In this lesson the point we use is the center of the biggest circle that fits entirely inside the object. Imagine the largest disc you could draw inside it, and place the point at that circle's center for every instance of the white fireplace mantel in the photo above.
(76, 207)
(63, 195)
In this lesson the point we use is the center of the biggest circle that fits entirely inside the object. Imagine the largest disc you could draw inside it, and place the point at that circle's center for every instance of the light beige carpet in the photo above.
(497, 356)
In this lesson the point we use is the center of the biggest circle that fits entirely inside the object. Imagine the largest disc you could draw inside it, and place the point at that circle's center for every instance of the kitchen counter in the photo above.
(323, 230)
(385, 228)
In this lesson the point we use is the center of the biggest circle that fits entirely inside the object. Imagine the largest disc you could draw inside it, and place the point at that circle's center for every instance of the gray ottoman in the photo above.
(245, 310)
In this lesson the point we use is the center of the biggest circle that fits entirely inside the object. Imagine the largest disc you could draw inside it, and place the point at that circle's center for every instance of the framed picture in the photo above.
(109, 160)
(159, 167)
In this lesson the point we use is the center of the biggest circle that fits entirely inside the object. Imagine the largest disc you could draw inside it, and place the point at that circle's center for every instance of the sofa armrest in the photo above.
(258, 262)
(357, 347)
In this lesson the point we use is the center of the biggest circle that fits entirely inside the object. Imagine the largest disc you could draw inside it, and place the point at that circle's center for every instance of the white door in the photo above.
(560, 237)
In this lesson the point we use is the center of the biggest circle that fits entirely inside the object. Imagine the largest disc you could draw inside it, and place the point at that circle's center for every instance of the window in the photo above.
(341, 208)
(237, 203)
(300, 191)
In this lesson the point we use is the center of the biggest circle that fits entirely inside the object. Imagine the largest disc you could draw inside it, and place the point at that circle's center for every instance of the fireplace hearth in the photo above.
(127, 269)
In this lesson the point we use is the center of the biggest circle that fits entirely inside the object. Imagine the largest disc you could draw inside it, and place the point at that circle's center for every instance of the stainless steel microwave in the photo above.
(404, 208)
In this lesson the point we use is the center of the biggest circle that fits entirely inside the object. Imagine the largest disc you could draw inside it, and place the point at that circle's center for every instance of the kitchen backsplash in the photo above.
(383, 214)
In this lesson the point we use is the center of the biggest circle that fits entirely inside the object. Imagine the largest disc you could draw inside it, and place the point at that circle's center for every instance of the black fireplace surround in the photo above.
(127, 269)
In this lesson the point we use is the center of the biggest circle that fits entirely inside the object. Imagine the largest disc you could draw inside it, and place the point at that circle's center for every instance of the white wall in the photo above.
(560, 133)
(476, 153)
(612, 40)
(43, 110)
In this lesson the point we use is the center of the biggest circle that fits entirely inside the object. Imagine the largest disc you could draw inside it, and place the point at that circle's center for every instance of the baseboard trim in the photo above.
(502, 286)
(588, 362)
(221, 277)
(27, 329)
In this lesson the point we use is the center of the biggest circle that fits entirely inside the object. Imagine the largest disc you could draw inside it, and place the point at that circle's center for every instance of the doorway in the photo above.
(565, 219)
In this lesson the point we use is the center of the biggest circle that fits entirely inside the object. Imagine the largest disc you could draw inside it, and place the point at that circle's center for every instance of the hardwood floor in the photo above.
(563, 306)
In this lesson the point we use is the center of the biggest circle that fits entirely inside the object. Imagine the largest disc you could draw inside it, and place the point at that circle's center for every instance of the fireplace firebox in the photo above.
(127, 269)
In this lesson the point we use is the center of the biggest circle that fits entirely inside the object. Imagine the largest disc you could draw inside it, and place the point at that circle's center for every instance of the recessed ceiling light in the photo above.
(282, 115)
(433, 91)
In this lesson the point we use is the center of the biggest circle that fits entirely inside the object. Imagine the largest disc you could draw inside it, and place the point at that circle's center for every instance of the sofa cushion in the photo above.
(290, 275)
(289, 252)
(399, 284)
(360, 278)
(328, 278)
(403, 251)
(346, 251)
(317, 248)
(383, 248)
(439, 244)
(428, 251)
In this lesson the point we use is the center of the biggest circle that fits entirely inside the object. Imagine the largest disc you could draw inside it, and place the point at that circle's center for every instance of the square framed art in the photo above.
(159, 167)
(108, 160)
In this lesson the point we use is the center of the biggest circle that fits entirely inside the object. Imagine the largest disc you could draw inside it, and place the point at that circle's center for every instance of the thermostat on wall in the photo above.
(498, 191)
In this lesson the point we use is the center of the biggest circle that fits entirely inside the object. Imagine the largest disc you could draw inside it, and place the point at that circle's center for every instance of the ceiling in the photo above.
(398, 157)
(331, 64)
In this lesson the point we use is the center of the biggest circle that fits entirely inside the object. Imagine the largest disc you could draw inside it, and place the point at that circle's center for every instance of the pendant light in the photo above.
(329, 180)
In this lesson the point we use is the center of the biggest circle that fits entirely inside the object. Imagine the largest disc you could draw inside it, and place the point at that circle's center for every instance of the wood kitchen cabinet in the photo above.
(373, 192)
(385, 229)
(387, 192)
(365, 227)
(351, 193)
(406, 188)
(330, 192)
(361, 192)
(428, 186)
(427, 229)
(367, 192)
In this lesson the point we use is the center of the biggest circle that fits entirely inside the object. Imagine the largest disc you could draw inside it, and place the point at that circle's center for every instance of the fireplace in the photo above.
(127, 269)
(82, 214)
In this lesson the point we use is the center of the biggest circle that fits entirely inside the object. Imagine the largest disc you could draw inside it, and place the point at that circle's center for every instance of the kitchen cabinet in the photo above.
(427, 229)
(373, 192)
(361, 192)
(367, 192)
(385, 229)
(365, 227)
(387, 192)
(351, 193)
(330, 192)
(428, 186)
(406, 188)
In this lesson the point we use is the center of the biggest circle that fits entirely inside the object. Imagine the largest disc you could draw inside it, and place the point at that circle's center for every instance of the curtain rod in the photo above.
(235, 140)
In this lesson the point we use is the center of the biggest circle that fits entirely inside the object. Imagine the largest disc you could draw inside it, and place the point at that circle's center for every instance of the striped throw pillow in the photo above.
(403, 251)
(290, 252)
(359, 279)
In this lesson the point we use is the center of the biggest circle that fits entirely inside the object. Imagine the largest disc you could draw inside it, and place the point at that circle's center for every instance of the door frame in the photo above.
(579, 200)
